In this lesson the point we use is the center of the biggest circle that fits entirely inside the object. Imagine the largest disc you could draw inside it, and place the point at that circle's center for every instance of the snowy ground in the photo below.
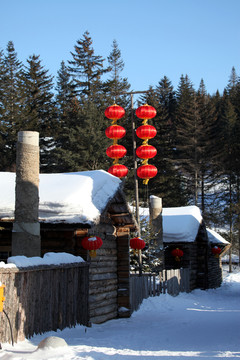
(202, 324)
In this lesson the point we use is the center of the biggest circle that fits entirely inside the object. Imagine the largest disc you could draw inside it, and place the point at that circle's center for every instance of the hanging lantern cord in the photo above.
(146, 194)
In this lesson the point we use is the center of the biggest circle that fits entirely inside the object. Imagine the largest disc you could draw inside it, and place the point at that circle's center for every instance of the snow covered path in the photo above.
(202, 324)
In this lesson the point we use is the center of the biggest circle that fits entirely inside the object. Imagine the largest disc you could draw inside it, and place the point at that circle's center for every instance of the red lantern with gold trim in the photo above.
(92, 244)
(216, 250)
(137, 243)
(177, 253)
(116, 151)
(146, 112)
(114, 112)
(118, 170)
(146, 132)
(146, 152)
(146, 172)
(115, 132)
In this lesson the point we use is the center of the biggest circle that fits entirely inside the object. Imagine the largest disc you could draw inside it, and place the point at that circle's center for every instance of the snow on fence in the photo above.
(43, 298)
(167, 281)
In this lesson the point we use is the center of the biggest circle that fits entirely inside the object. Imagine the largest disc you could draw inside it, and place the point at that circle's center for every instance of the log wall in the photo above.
(103, 280)
(214, 271)
(109, 275)
(43, 298)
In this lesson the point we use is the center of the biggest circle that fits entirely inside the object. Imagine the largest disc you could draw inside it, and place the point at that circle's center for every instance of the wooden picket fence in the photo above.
(167, 281)
(43, 298)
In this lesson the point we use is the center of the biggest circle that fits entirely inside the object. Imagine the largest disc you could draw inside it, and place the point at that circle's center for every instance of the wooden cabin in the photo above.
(188, 243)
(73, 206)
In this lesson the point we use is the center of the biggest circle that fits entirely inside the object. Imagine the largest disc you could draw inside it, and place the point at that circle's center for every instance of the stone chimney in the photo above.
(26, 228)
(155, 212)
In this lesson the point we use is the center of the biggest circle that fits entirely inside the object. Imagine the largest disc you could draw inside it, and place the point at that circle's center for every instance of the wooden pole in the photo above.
(26, 228)
(135, 166)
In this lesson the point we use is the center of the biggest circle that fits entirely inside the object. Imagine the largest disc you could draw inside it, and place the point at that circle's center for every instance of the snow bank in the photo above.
(69, 197)
(197, 325)
(48, 259)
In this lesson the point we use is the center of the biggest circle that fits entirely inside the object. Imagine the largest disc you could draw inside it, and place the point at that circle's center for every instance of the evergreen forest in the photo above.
(197, 140)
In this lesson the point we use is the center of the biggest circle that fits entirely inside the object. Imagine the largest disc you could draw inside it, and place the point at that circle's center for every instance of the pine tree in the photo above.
(207, 118)
(67, 106)
(86, 68)
(82, 141)
(11, 105)
(3, 130)
(188, 133)
(116, 86)
(39, 107)
(232, 163)
(232, 85)
(65, 90)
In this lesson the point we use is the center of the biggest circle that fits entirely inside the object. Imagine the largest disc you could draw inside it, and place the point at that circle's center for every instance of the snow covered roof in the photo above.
(215, 238)
(181, 224)
(68, 197)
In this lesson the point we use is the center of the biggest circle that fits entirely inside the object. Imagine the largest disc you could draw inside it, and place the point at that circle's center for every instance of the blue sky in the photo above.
(199, 38)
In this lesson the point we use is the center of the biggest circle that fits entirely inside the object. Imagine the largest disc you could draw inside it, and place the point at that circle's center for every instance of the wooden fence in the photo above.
(167, 281)
(43, 298)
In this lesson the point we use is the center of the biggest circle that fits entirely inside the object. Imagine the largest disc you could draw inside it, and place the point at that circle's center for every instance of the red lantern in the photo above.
(137, 243)
(177, 253)
(114, 112)
(116, 151)
(92, 244)
(146, 112)
(115, 132)
(216, 250)
(146, 172)
(118, 170)
(146, 152)
(146, 132)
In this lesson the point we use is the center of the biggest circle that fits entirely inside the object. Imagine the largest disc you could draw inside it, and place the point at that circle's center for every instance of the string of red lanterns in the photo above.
(116, 132)
(145, 151)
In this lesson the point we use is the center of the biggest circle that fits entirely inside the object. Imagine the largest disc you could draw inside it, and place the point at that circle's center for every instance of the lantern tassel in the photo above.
(92, 253)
